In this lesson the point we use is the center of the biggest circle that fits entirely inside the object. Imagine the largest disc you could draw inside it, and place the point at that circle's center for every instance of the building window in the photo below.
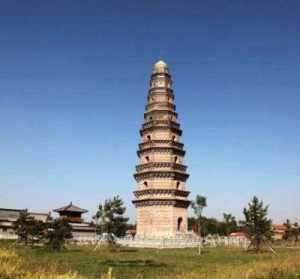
(175, 159)
(173, 138)
(146, 184)
(147, 158)
(177, 184)
(148, 138)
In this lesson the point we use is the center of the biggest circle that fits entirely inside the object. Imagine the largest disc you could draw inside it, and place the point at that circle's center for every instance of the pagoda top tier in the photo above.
(160, 67)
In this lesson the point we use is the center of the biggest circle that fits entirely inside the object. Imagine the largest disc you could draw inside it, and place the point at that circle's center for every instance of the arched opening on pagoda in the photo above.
(149, 138)
(175, 159)
(179, 224)
(146, 184)
(173, 138)
(147, 159)
(177, 184)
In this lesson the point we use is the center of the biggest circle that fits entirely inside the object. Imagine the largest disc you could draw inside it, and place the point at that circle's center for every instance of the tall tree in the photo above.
(198, 205)
(37, 231)
(29, 230)
(288, 234)
(110, 217)
(296, 231)
(257, 226)
(230, 224)
(58, 232)
(22, 228)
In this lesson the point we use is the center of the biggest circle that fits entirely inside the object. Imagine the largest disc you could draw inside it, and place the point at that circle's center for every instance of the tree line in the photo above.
(55, 232)
(52, 233)
(256, 226)
(110, 220)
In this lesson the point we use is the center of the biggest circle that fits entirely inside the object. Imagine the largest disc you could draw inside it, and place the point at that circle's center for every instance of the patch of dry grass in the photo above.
(85, 263)
(14, 267)
(275, 269)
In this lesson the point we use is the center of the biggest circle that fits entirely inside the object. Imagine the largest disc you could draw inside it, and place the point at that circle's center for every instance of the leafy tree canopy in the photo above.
(28, 229)
(110, 217)
(198, 205)
(58, 232)
(257, 225)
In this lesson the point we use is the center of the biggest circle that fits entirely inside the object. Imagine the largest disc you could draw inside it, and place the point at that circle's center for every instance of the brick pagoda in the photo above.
(161, 195)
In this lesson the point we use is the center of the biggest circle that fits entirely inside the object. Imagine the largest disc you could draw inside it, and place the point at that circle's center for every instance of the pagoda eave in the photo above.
(160, 111)
(161, 123)
(161, 174)
(174, 130)
(175, 192)
(160, 202)
(163, 105)
(174, 151)
(160, 91)
(159, 74)
(153, 143)
(150, 165)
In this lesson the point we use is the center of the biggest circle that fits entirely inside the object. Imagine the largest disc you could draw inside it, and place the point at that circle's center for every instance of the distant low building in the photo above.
(9, 216)
(240, 235)
(81, 231)
(279, 231)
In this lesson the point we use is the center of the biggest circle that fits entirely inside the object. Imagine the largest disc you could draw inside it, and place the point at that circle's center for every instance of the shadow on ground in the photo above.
(133, 263)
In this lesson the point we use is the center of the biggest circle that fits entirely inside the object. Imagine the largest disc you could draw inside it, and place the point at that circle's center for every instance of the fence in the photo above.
(7, 236)
(159, 243)
(217, 241)
(189, 242)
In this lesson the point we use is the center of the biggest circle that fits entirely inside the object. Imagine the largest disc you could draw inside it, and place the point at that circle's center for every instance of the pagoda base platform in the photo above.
(180, 240)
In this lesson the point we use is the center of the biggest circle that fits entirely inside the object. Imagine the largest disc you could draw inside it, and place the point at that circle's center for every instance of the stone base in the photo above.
(180, 240)
(161, 221)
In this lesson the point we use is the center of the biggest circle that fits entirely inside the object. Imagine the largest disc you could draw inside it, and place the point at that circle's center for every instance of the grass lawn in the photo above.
(173, 263)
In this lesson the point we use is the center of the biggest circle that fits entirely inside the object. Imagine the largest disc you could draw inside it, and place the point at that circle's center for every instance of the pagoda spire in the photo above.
(161, 195)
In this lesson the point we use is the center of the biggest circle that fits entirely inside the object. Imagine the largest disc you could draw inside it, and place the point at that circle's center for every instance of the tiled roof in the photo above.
(12, 215)
(279, 227)
(238, 234)
(9, 214)
(71, 208)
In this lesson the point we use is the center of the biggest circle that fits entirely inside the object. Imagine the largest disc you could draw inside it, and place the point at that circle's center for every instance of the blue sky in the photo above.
(73, 82)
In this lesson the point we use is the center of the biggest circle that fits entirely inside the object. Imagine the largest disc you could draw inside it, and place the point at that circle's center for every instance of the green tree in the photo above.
(296, 231)
(110, 217)
(28, 229)
(288, 234)
(22, 227)
(198, 205)
(58, 232)
(209, 226)
(257, 226)
(37, 231)
(229, 223)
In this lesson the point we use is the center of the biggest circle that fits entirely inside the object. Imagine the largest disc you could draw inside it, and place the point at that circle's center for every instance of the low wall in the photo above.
(185, 243)
(159, 243)
(8, 236)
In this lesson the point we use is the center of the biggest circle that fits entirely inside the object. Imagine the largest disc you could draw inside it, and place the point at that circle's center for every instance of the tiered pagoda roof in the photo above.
(161, 174)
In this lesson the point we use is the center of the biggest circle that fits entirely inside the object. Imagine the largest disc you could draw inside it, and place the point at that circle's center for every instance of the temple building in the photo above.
(81, 231)
(71, 212)
(161, 195)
